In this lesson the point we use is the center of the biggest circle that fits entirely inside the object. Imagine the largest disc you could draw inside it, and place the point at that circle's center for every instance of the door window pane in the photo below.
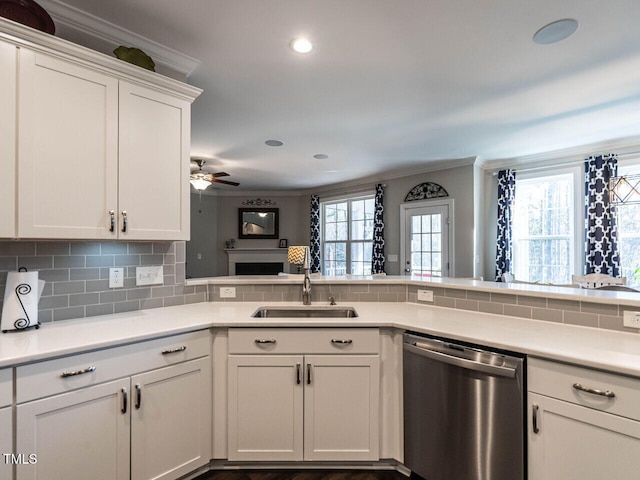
(426, 245)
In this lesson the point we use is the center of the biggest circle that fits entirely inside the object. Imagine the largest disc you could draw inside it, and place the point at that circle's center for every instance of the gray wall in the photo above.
(294, 223)
(202, 249)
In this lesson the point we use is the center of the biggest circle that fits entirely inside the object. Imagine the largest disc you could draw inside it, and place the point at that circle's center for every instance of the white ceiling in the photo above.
(392, 84)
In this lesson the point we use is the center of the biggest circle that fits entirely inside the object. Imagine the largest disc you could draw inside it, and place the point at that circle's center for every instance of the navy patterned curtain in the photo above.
(601, 231)
(314, 235)
(506, 197)
(377, 257)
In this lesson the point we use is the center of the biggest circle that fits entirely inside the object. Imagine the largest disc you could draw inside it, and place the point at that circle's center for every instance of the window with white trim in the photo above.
(628, 216)
(347, 235)
(546, 248)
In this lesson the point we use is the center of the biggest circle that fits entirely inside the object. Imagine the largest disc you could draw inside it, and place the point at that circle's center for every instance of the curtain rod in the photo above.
(568, 163)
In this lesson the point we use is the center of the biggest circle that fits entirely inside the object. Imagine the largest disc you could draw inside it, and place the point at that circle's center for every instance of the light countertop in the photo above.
(609, 350)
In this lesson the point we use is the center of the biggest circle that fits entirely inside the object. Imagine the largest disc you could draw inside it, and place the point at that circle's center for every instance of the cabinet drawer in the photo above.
(557, 380)
(303, 340)
(50, 377)
(6, 387)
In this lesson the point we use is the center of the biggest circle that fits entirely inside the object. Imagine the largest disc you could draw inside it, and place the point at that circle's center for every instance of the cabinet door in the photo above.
(154, 164)
(265, 407)
(341, 405)
(6, 444)
(81, 434)
(8, 65)
(171, 420)
(67, 176)
(575, 442)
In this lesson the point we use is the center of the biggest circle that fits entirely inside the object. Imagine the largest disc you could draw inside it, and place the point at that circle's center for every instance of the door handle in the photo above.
(138, 396)
(112, 222)
(125, 400)
(298, 380)
(536, 428)
(124, 221)
(308, 374)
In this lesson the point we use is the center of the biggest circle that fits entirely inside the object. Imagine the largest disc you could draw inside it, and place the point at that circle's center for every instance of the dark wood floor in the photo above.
(302, 475)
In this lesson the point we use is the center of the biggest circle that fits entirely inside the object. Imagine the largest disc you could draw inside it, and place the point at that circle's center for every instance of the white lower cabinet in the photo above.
(155, 424)
(583, 423)
(6, 423)
(76, 434)
(320, 405)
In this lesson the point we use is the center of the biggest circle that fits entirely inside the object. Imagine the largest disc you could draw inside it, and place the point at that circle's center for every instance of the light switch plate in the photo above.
(425, 295)
(149, 275)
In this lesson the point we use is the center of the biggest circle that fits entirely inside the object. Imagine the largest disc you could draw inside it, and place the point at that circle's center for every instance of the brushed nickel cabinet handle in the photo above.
(536, 429)
(138, 396)
(124, 221)
(112, 215)
(124, 401)
(263, 341)
(341, 342)
(174, 350)
(594, 391)
(73, 373)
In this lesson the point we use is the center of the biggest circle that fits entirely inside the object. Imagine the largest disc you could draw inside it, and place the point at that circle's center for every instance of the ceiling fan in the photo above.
(201, 179)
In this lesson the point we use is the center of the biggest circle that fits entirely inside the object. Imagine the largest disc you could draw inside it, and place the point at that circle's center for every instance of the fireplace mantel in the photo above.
(255, 255)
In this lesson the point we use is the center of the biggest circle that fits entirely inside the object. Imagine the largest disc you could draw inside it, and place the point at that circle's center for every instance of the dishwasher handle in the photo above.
(424, 350)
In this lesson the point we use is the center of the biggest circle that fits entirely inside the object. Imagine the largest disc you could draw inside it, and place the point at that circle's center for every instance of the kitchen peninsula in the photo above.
(208, 329)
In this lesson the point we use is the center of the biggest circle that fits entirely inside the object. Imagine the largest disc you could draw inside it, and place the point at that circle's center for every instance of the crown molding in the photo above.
(620, 146)
(87, 24)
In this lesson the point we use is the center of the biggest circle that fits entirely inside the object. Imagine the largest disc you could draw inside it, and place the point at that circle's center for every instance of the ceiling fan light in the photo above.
(200, 183)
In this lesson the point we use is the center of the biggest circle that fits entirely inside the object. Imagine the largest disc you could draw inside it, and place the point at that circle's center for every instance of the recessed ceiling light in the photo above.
(274, 143)
(301, 45)
(321, 156)
(555, 31)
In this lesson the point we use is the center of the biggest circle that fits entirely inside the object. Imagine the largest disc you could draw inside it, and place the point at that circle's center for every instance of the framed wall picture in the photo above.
(284, 243)
(258, 223)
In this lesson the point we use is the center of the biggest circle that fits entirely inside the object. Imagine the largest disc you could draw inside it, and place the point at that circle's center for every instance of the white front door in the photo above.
(425, 238)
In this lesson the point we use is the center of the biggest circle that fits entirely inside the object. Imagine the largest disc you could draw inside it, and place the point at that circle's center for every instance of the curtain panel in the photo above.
(601, 231)
(377, 256)
(504, 244)
(314, 235)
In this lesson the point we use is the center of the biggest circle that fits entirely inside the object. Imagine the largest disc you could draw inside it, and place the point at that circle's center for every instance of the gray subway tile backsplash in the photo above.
(77, 276)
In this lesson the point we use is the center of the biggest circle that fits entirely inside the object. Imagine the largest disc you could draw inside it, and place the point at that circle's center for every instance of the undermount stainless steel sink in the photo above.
(328, 311)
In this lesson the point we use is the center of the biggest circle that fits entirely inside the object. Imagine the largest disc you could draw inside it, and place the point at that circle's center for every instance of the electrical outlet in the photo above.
(116, 277)
(425, 295)
(227, 292)
(631, 319)
(149, 275)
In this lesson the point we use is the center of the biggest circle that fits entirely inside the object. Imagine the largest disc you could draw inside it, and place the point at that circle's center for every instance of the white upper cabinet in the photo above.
(153, 184)
(7, 139)
(102, 146)
(68, 149)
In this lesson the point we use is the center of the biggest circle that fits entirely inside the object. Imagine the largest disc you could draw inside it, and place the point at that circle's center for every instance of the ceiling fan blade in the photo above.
(226, 182)
(220, 174)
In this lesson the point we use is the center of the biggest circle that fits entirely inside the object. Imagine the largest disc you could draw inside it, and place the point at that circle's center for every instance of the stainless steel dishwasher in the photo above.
(463, 411)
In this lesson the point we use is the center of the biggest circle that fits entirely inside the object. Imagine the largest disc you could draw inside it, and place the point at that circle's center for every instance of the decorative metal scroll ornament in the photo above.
(22, 290)
(424, 191)
(259, 202)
